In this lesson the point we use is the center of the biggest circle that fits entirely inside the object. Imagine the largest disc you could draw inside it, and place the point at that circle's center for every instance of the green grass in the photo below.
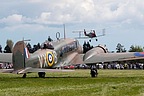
(77, 83)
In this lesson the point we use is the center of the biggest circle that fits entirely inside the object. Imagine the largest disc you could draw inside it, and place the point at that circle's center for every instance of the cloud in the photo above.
(44, 17)
(79, 11)
(30, 17)
(35, 1)
(12, 19)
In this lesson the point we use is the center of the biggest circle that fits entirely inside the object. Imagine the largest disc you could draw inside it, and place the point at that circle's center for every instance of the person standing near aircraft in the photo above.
(49, 39)
(84, 47)
(88, 45)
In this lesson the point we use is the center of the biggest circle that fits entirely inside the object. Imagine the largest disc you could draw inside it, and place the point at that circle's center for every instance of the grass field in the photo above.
(77, 83)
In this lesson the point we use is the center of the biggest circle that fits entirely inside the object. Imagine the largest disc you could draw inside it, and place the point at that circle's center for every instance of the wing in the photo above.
(29, 69)
(82, 37)
(70, 59)
(109, 57)
(77, 59)
(100, 35)
(6, 57)
(6, 70)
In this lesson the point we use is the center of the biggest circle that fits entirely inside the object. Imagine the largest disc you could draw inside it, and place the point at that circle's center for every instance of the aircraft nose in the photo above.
(89, 56)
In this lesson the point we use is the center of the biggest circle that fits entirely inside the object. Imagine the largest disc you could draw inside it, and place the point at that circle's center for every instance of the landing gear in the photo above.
(93, 71)
(41, 74)
(95, 39)
(24, 75)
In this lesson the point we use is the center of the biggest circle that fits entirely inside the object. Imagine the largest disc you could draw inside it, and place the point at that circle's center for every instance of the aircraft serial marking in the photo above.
(42, 60)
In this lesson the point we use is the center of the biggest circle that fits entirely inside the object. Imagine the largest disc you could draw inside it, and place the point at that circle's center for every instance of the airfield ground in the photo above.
(77, 83)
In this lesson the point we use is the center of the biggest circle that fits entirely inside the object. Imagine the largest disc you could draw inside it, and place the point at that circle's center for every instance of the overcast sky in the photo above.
(38, 19)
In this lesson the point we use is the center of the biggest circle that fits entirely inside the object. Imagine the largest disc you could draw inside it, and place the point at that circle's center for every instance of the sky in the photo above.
(123, 20)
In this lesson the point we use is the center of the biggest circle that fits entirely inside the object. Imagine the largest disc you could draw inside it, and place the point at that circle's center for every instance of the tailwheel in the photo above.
(41, 74)
(93, 71)
(24, 75)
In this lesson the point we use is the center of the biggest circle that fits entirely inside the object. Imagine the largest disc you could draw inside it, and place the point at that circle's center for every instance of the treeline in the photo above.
(133, 48)
(9, 46)
(119, 48)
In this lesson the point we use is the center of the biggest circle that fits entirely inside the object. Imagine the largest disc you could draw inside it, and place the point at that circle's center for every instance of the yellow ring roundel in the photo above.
(50, 58)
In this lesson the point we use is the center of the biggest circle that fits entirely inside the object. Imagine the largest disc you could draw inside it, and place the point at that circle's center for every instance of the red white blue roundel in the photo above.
(139, 54)
(50, 58)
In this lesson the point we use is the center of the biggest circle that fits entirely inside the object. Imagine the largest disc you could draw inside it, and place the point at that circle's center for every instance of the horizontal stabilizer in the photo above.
(6, 57)
(6, 70)
(29, 69)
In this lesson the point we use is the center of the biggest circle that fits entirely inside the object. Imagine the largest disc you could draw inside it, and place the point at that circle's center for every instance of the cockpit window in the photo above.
(69, 47)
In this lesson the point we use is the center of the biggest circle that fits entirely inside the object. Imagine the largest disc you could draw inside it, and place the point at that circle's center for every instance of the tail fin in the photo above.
(20, 53)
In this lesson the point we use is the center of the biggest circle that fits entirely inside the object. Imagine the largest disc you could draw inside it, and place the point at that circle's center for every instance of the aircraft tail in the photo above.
(20, 54)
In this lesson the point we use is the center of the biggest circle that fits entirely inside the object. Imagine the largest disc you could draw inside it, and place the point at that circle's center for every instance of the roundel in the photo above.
(50, 58)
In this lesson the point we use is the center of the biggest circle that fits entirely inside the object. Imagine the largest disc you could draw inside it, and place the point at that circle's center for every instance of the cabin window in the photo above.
(70, 47)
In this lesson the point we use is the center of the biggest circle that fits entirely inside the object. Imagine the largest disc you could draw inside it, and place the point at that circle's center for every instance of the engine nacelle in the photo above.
(96, 50)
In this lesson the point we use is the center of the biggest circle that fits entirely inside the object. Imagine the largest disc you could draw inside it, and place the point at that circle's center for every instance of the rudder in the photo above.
(19, 54)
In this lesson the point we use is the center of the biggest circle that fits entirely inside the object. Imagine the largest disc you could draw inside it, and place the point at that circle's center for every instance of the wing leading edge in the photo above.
(109, 57)
(6, 57)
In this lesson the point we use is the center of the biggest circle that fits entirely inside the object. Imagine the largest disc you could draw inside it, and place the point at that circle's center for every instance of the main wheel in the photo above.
(24, 75)
(94, 73)
(41, 74)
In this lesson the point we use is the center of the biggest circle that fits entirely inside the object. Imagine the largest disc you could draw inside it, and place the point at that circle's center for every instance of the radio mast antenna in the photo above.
(64, 31)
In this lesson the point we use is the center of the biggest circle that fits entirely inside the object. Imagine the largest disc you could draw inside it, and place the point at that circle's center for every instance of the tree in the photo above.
(9, 46)
(120, 48)
(136, 48)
